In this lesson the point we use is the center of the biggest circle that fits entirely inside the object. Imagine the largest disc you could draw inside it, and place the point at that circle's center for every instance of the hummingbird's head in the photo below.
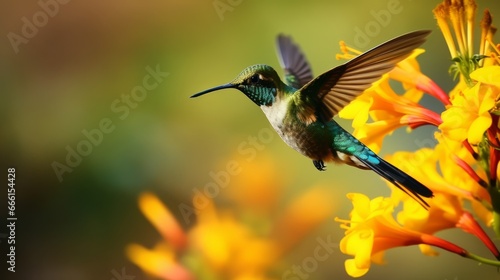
(259, 82)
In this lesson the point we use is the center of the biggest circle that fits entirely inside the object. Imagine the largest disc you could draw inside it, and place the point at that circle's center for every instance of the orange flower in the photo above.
(388, 110)
(161, 261)
(461, 170)
(163, 220)
(455, 14)
(469, 115)
(438, 169)
(372, 230)
(408, 73)
(226, 244)
(451, 186)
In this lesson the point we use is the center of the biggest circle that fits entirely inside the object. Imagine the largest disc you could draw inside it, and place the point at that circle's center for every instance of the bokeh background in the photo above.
(91, 53)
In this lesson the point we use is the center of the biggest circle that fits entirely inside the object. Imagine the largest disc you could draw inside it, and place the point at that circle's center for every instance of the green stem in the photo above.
(481, 259)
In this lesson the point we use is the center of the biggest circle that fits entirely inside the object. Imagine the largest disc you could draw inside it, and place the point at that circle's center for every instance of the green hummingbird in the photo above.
(301, 110)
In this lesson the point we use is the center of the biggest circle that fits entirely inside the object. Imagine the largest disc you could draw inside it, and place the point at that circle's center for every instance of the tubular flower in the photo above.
(422, 165)
(445, 212)
(469, 116)
(461, 166)
(437, 169)
(372, 230)
(223, 243)
(217, 240)
(407, 72)
(454, 14)
(163, 220)
(239, 243)
(451, 187)
(388, 110)
(160, 261)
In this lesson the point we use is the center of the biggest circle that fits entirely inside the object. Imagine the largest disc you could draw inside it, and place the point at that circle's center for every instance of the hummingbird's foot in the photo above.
(319, 164)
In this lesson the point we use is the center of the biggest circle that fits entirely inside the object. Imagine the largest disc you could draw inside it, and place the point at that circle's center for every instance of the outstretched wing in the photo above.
(327, 94)
(294, 63)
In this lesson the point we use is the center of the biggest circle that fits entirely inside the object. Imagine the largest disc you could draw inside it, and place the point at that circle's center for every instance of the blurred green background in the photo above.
(65, 78)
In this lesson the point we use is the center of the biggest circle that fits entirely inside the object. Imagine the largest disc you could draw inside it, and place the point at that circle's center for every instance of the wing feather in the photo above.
(336, 88)
(293, 61)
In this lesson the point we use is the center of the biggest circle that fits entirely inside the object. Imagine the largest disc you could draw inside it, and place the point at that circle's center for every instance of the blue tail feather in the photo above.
(401, 180)
(344, 142)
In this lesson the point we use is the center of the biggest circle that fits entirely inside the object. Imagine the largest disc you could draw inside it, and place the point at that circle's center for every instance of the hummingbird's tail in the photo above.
(351, 151)
(400, 179)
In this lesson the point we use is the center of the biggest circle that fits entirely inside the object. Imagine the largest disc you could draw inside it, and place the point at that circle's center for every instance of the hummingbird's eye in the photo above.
(255, 78)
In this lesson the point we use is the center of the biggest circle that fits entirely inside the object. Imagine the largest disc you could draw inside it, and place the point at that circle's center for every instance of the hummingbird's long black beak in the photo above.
(228, 85)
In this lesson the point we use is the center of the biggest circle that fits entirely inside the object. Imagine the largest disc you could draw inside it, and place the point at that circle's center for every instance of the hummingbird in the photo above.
(302, 109)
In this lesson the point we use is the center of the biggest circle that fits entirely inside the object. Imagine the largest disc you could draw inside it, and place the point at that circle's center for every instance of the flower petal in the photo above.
(488, 75)
(477, 128)
(162, 219)
(428, 250)
(353, 270)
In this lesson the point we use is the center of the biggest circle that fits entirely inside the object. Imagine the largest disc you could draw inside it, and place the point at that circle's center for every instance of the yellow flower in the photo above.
(488, 75)
(372, 230)
(161, 261)
(438, 169)
(450, 186)
(224, 243)
(444, 212)
(469, 115)
(462, 170)
(455, 162)
(408, 73)
(257, 198)
(456, 14)
(422, 165)
(218, 243)
(388, 110)
(227, 244)
(163, 220)
(245, 241)
(441, 13)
